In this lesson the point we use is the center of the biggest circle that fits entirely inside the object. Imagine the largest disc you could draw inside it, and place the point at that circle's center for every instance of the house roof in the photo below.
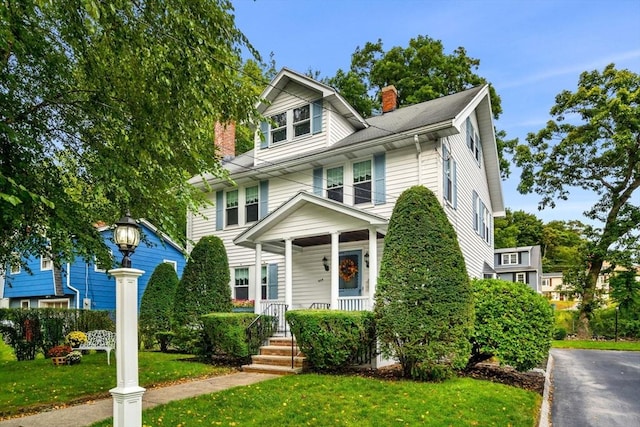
(331, 216)
(154, 230)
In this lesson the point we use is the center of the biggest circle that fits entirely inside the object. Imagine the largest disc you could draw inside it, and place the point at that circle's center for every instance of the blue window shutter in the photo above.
(379, 173)
(316, 112)
(469, 132)
(272, 291)
(264, 199)
(454, 178)
(264, 138)
(317, 181)
(219, 210)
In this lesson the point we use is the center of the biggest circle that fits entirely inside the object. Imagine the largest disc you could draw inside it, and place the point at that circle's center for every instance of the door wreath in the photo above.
(348, 269)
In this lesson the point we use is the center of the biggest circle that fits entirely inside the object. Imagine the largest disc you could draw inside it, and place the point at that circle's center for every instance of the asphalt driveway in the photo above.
(595, 388)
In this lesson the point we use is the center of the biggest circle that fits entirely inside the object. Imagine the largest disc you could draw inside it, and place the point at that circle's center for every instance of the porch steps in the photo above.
(275, 358)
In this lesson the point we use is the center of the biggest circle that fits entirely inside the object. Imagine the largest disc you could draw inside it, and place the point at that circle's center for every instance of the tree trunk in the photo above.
(588, 298)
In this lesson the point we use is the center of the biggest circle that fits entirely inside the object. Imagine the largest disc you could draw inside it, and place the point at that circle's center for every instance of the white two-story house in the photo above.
(304, 219)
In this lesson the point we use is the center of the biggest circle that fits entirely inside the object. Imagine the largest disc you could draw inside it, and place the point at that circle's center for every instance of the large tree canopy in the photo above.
(108, 106)
(593, 143)
(422, 71)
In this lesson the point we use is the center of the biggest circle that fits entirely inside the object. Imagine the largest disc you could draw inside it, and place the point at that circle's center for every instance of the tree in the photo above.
(517, 228)
(512, 323)
(593, 143)
(421, 72)
(156, 305)
(423, 309)
(109, 106)
(625, 290)
(561, 243)
(204, 287)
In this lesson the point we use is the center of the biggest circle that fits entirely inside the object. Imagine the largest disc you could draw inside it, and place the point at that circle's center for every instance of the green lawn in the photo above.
(598, 345)
(36, 384)
(322, 400)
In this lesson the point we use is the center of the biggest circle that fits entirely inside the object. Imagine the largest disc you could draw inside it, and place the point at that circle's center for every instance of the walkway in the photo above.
(98, 410)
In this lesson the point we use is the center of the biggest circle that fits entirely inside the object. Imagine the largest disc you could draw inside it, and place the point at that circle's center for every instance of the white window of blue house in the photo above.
(14, 267)
(301, 121)
(335, 184)
(46, 264)
(279, 127)
(99, 268)
(241, 283)
(173, 263)
(362, 182)
(232, 207)
(251, 204)
(509, 258)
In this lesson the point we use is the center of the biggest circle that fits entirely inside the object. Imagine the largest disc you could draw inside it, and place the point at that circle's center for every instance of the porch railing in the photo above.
(320, 306)
(277, 310)
(354, 303)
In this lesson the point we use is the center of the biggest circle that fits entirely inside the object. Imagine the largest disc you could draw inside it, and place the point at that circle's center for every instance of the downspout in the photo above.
(419, 157)
(71, 287)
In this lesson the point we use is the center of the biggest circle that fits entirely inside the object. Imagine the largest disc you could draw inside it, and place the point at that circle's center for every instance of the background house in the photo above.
(523, 264)
(86, 285)
(304, 217)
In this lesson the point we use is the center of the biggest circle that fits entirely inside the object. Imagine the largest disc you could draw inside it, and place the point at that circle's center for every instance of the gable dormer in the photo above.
(303, 116)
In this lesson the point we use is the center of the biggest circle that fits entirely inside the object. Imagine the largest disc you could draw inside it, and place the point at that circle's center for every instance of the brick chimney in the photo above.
(389, 98)
(225, 140)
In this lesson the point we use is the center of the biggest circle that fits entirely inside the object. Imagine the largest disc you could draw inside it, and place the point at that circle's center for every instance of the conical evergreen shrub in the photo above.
(156, 305)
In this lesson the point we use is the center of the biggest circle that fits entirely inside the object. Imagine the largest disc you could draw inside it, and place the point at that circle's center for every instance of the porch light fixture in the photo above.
(127, 237)
(366, 259)
(325, 263)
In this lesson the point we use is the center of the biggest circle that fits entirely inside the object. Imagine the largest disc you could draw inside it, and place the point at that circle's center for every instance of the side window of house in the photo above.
(14, 265)
(46, 263)
(264, 283)
(481, 218)
(232, 207)
(241, 288)
(99, 268)
(521, 278)
(251, 204)
(279, 127)
(473, 141)
(335, 184)
(362, 182)
(509, 258)
(449, 176)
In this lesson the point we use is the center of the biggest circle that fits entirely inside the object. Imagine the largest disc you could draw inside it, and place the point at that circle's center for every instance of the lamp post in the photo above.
(127, 395)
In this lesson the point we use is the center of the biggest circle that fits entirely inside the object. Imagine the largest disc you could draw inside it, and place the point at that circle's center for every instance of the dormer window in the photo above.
(279, 130)
(509, 259)
(301, 121)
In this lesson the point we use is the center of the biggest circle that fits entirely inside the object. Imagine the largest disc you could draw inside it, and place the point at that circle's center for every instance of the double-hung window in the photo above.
(449, 176)
(232, 207)
(301, 121)
(14, 266)
(251, 204)
(46, 263)
(521, 278)
(264, 283)
(362, 182)
(241, 288)
(279, 127)
(509, 259)
(335, 184)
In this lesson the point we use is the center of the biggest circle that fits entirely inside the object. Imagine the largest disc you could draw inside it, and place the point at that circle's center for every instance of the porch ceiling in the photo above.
(325, 239)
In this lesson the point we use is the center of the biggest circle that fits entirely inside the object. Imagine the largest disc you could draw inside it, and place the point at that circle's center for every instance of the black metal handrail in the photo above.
(260, 330)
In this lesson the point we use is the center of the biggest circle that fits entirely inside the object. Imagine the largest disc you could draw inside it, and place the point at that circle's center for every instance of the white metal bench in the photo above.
(99, 340)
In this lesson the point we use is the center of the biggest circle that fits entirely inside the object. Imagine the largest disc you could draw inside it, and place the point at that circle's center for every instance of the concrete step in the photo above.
(271, 369)
(282, 341)
(261, 359)
(277, 350)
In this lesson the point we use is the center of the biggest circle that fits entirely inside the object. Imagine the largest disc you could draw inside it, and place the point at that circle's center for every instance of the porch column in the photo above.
(335, 278)
(373, 263)
(258, 279)
(288, 272)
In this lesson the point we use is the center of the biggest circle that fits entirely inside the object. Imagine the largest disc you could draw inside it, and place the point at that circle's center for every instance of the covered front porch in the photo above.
(331, 254)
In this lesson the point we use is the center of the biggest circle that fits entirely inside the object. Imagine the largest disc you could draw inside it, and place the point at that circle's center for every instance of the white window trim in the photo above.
(23, 305)
(247, 285)
(520, 276)
(97, 268)
(506, 258)
(226, 208)
(348, 187)
(244, 204)
(43, 303)
(172, 262)
(289, 126)
(45, 259)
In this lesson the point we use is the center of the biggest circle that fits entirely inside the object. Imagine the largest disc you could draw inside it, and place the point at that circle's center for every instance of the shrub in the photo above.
(423, 308)
(204, 287)
(559, 334)
(156, 306)
(513, 323)
(226, 334)
(331, 339)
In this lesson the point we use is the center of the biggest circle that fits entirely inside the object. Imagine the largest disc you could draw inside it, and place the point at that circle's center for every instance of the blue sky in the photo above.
(529, 50)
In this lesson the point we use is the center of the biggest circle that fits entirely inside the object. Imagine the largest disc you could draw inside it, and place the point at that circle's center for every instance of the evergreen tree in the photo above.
(156, 305)
(423, 308)
(204, 287)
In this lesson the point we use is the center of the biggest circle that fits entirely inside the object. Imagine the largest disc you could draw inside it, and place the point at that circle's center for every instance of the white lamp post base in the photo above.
(127, 395)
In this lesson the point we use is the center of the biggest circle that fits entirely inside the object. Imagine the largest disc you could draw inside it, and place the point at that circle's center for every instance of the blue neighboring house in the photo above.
(84, 285)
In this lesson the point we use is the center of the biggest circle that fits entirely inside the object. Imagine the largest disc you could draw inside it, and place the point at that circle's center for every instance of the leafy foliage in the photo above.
(108, 106)
(332, 339)
(204, 287)
(226, 334)
(625, 290)
(423, 310)
(597, 129)
(156, 306)
(422, 71)
(513, 323)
